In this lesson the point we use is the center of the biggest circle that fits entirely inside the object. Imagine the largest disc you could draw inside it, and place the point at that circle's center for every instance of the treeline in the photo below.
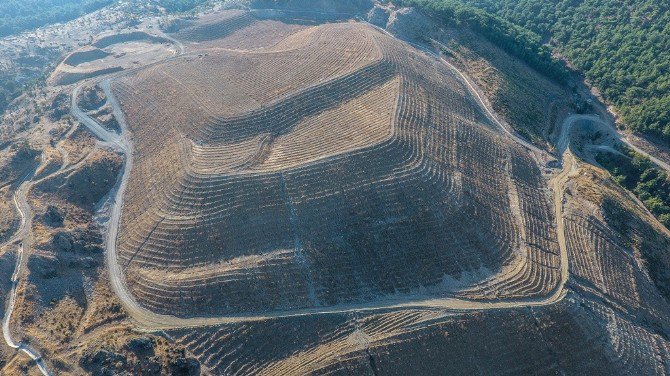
(21, 15)
(514, 39)
(622, 46)
(641, 176)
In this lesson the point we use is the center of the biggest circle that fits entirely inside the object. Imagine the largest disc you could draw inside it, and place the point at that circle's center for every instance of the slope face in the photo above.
(345, 170)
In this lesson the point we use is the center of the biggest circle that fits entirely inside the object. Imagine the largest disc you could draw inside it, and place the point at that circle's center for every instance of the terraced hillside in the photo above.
(296, 192)
(333, 167)
(237, 30)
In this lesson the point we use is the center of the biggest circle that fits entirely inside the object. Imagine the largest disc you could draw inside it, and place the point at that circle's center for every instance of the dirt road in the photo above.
(22, 207)
(622, 138)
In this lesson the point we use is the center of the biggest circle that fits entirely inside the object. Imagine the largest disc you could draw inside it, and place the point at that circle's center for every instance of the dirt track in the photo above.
(25, 213)
(563, 141)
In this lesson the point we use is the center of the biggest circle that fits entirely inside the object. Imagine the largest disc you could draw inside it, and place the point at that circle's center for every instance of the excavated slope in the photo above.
(337, 167)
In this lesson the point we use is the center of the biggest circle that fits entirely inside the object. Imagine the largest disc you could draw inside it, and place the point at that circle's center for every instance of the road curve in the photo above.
(109, 137)
(563, 140)
(152, 321)
(622, 138)
(485, 104)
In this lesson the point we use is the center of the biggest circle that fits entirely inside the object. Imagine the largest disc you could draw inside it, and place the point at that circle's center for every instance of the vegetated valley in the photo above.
(333, 187)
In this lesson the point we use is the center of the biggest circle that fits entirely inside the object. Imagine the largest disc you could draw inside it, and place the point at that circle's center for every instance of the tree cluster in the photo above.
(622, 46)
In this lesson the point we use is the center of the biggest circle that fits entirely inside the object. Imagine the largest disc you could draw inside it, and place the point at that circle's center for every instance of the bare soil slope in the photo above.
(339, 167)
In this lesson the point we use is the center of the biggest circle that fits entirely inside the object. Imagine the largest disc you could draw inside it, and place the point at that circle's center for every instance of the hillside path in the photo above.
(25, 212)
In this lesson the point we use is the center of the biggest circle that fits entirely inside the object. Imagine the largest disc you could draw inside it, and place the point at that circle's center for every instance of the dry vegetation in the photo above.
(8, 216)
(65, 305)
(15, 162)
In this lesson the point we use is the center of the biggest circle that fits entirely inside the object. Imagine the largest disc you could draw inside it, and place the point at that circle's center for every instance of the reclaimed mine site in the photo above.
(289, 187)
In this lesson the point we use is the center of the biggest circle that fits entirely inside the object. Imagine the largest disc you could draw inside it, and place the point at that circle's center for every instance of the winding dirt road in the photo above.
(152, 321)
(22, 207)
(622, 138)
(563, 141)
